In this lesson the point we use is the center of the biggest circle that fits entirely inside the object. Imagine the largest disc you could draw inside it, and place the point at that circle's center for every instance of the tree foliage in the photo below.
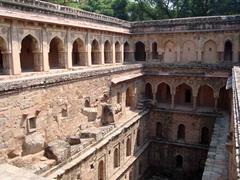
(138, 10)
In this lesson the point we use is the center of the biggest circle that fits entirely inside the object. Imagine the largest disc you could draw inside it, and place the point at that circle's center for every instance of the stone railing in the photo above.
(50, 8)
(207, 23)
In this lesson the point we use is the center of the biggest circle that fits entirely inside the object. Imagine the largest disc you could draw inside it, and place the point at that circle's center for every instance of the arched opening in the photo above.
(116, 158)
(128, 147)
(203, 92)
(181, 132)
(29, 55)
(138, 139)
(189, 52)
(163, 94)
(78, 53)
(140, 54)
(148, 91)
(159, 130)
(101, 170)
(118, 52)
(170, 52)
(183, 95)
(179, 161)
(205, 138)
(126, 52)
(228, 51)
(107, 53)
(4, 63)
(223, 99)
(95, 53)
(210, 52)
(154, 51)
(56, 54)
(129, 97)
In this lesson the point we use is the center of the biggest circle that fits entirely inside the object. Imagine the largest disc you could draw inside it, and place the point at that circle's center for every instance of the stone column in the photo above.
(194, 102)
(88, 53)
(38, 64)
(121, 53)
(45, 50)
(63, 59)
(101, 53)
(69, 51)
(178, 51)
(113, 54)
(173, 100)
(15, 59)
(215, 103)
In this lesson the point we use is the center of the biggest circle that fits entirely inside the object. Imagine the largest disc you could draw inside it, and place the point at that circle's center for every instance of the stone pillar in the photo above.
(113, 54)
(194, 102)
(15, 58)
(178, 51)
(121, 53)
(172, 100)
(101, 53)
(38, 64)
(88, 53)
(63, 59)
(69, 51)
(215, 103)
(45, 50)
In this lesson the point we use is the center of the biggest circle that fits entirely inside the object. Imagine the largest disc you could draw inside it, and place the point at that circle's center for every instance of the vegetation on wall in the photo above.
(135, 10)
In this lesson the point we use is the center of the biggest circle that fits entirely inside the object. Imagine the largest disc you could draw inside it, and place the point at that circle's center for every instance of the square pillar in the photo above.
(69, 51)
(45, 51)
(113, 53)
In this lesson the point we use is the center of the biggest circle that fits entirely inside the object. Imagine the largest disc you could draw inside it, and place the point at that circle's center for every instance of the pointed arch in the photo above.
(228, 51)
(126, 52)
(95, 52)
(170, 52)
(210, 52)
(107, 53)
(155, 50)
(29, 55)
(223, 99)
(163, 94)
(140, 54)
(148, 91)
(129, 97)
(205, 136)
(183, 95)
(203, 92)
(189, 53)
(56, 53)
(101, 170)
(118, 52)
(181, 132)
(78, 53)
(128, 147)
(116, 158)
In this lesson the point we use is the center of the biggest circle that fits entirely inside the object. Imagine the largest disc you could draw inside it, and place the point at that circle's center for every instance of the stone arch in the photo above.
(163, 94)
(210, 52)
(203, 92)
(95, 52)
(228, 51)
(159, 130)
(118, 52)
(101, 170)
(155, 50)
(29, 55)
(179, 161)
(78, 53)
(205, 136)
(116, 158)
(148, 91)
(223, 99)
(183, 95)
(128, 147)
(107, 53)
(189, 53)
(129, 97)
(140, 53)
(181, 132)
(126, 52)
(170, 52)
(56, 53)
(4, 61)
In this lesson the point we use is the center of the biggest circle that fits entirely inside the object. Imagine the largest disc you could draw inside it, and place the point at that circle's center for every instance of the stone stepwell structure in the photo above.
(87, 96)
